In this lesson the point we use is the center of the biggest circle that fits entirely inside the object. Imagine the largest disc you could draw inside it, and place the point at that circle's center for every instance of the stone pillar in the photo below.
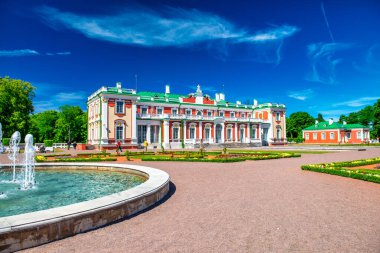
(362, 135)
(104, 126)
(134, 123)
(200, 130)
(184, 130)
(159, 134)
(248, 134)
(284, 131)
(259, 133)
(236, 133)
(148, 133)
(222, 133)
(166, 133)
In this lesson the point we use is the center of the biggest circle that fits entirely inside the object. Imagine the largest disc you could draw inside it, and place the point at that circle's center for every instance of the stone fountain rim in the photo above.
(157, 179)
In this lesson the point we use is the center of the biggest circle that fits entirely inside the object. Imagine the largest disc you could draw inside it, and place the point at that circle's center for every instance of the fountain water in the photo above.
(13, 150)
(27, 170)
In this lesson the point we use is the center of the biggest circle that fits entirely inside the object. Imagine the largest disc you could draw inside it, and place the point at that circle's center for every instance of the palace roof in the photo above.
(335, 125)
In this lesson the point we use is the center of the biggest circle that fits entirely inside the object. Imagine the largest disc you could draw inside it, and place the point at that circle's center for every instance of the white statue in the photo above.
(13, 150)
(28, 168)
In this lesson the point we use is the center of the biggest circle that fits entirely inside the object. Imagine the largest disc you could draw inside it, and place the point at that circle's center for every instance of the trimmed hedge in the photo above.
(339, 170)
(53, 155)
(48, 143)
(84, 159)
(6, 141)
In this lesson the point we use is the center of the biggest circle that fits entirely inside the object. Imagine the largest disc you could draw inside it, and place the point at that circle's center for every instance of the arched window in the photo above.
(207, 131)
(278, 132)
(119, 130)
(229, 132)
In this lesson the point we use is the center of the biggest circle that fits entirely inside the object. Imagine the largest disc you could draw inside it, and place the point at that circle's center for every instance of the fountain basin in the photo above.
(31, 229)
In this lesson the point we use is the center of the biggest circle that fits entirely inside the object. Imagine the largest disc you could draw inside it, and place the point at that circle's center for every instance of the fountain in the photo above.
(13, 150)
(27, 170)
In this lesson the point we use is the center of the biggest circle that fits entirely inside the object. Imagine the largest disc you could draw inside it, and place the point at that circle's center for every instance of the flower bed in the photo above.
(346, 169)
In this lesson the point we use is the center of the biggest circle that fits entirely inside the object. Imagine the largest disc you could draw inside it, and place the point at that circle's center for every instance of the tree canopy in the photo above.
(296, 122)
(320, 118)
(376, 120)
(16, 105)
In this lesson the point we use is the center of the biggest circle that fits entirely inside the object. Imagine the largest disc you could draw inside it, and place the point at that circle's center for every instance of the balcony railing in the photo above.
(197, 117)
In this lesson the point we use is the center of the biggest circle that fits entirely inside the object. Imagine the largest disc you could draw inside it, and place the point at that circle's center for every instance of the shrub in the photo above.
(6, 141)
(48, 143)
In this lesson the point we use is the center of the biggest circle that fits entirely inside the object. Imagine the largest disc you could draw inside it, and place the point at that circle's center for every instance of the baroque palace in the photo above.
(179, 121)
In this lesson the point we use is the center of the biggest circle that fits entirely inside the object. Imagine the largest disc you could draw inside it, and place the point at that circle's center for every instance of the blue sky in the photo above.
(314, 56)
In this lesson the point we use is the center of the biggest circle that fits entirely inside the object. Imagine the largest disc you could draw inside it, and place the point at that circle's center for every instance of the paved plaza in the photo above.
(251, 206)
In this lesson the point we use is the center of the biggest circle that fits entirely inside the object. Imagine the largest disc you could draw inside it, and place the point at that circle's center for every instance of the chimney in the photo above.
(217, 97)
(331, 120)
(254, 102)
(238, 102)
(118, 86)
(167, 89)
(221, 96)
(316, 122)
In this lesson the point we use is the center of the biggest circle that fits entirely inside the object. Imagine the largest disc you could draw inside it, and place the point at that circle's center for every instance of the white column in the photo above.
(212, 137)
(200, 130)
(248, 140)
(134, 123)
(260, 129)
(222, 133)
(184, 130)
(339, 136)
(104, 126)
(159, 133)
(148, 133)
(362, 135)
(236, 133)
(166, 133)
(284, 119)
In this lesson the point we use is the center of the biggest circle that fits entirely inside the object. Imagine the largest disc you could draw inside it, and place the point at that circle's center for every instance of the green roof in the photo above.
(335, 125)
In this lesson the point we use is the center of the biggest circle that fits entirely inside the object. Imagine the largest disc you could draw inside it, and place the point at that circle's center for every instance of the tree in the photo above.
(15, 105)
(342, 119)
(375, 133)
(70, 124)
(296, 122)
(320, 118)
(44, 125)
(366, 115)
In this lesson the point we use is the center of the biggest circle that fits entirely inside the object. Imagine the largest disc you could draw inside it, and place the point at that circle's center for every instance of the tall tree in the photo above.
(375, 133)
(15, 105)
(320, 118)
(70, 124)
(296, 122)
(44, 125)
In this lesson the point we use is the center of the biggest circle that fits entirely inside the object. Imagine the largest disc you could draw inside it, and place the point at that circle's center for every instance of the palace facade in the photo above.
(176, 121)
(330, 132)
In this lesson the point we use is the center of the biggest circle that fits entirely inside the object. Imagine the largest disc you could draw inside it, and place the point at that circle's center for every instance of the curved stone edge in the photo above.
(32, 229)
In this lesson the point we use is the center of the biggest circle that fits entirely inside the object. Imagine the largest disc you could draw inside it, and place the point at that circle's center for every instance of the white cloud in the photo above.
(19, 52)
(358, 102)
(324, 60)
(169, 27)
(59, 53)
(301, 94)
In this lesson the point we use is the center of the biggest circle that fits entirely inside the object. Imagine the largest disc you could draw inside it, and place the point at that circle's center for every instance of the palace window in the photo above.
(307, 136)
(192, 132)
(229, 134)
(209, 113)
(243, 115)
(359, 135)
(332, 136)
(141, 133)
(253, 133)
(314, 136)
(249, 115)
(159, 110)
(175, 132)
(323, 136)
(221, 114)
(278, 133)
(174, 111)
(188, 111)
(232, 115)
(119, 130)
(207, 132)
(119, 107)
(199, 113)
(278, 116)
(144, 110)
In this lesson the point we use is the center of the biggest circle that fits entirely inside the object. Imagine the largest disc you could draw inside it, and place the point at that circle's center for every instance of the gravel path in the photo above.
(252, 206)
